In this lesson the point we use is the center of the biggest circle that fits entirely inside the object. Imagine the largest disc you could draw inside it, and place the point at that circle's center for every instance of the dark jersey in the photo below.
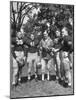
(17, 46)
(66, 46)
(31, 44)
(57, 43)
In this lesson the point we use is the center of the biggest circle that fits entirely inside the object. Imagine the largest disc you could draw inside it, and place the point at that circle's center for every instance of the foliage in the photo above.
(57, 15)
(54, 14)
(18, 11)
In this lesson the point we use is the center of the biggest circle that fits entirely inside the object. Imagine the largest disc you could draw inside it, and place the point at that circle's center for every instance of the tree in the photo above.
(57, 15)
(18, 11)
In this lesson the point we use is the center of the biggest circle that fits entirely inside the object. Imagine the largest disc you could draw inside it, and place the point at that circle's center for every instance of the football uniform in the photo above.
(32, 54)
(57, 46)
(19, 56)
(47, 59)
(65, 62)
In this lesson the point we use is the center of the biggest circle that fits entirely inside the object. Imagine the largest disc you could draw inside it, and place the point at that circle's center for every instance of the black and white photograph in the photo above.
(41, 49)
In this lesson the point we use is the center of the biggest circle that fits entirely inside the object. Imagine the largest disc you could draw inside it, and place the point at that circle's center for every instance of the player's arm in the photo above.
(51, 45)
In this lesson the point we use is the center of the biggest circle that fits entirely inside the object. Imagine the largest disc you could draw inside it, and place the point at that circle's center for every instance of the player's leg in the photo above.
(67, 71)
(48, 68)
(68, 76)
(71, 59)
(29, 70)
(21, 64)
(43, 66)
(29, 65)
(50, 65)
(20, 72)
(15, 71)
(35, 64)
(62, 71)
(58, 75)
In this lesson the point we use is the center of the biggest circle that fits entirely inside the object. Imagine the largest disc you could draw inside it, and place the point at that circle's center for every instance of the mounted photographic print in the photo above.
(41, 49)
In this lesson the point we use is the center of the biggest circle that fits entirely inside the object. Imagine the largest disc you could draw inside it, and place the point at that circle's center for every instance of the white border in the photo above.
(5, 51)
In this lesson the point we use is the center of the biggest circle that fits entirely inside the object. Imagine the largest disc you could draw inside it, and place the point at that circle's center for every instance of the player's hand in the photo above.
(17, 59)
(53, 49)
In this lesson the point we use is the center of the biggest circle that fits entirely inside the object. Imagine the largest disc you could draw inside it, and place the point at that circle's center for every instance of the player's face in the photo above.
(32, 36)
(19, 35)
(57, 33)
(45, 34)
(64, 32)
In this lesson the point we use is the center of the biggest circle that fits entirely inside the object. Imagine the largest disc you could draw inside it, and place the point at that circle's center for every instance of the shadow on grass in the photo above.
(39, 78)
(25, 79)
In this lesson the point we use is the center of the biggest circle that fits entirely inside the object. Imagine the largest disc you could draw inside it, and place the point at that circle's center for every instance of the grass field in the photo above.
(40, 88)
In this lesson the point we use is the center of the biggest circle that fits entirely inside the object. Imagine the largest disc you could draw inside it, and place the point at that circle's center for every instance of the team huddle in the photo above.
(44, 54)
